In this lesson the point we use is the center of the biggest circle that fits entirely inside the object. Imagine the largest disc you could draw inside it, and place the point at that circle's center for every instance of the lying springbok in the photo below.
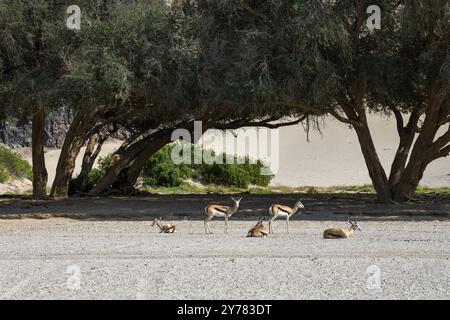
(165, 228)
(258, 231)
(278, 210)
(336, 233)
(215, 210)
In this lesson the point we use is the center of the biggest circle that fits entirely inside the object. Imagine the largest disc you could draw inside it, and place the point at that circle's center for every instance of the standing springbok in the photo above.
(165, 228)
(215, 210)
(336, 233)
(278, 210)
(259, 230)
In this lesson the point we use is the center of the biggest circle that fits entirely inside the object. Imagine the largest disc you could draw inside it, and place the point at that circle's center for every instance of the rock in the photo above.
(16, 133)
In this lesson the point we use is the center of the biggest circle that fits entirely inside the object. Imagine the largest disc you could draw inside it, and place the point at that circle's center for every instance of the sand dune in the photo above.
(333, 157)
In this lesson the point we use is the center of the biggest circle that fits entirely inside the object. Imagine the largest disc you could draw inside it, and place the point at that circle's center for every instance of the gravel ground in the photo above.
(61, 258)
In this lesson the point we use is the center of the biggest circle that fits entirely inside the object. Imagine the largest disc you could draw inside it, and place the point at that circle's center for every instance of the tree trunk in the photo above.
(75, 138)
(426, 148)
(142, 149)
(357, 115)
(420, 158)
(119, 161)
(93, 149)
(40, 176)
(376, 170)
(406, 188)
(407, 135)
(130, 175)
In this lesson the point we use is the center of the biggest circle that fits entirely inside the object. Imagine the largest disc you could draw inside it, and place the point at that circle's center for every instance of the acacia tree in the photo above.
(210, 82)
(30, 65)
(402, 69)
(320, 56)
(127, 73)
(116, 79)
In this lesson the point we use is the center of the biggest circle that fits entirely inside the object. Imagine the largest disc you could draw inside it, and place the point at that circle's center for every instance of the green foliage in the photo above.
(186, 188)
(235, 174)
(31, 60)
(96, 174)
(4, 174)
(12, 165)
(312, 190)
(428, 190)
(162, 172)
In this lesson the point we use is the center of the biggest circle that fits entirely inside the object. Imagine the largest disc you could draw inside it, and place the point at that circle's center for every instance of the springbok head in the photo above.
(354, 225)
(261, 220)
(236, 201)
(300, 204)
(156, 221)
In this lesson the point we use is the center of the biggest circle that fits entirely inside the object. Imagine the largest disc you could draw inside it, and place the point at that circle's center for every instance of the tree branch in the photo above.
(444, 121)
(256, 14)
(444, 139)
(264, 123)
(344, 120)
(347, 25)
(277, 125)
(399, 120)
(444, 152)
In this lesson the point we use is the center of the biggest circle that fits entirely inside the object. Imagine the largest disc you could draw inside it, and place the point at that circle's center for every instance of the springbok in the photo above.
(259, 230)
(165, 228)
(278, 210)
(336, 233)
(215, 210)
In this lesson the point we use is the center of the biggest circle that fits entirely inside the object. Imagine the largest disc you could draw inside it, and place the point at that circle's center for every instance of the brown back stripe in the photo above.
(283, 210)
(221, 210)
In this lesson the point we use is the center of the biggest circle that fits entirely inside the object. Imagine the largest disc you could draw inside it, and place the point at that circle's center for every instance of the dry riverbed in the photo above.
(61, 258)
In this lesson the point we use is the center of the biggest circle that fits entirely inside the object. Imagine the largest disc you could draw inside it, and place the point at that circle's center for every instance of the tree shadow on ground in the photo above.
(191, 207)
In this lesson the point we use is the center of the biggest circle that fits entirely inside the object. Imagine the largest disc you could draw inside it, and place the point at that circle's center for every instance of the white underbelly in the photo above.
(282, 214)
(219, 214)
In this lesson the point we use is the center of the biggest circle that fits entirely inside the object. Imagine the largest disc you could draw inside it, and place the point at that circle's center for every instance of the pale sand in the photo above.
(42, 259)
(334, 157)
(118, 255)
(16, 186)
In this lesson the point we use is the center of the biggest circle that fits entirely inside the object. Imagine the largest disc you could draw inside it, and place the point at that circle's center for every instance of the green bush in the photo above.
(312, 190)
(12, 165)
(4, 174)
(93, 177)
(96, 174)
(160, 171)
